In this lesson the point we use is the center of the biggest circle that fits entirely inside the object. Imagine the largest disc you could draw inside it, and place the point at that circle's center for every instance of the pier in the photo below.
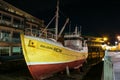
(111, 70)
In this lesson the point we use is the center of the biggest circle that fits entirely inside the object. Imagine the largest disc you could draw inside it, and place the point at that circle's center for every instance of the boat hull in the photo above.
(44, 57)
(42, 71)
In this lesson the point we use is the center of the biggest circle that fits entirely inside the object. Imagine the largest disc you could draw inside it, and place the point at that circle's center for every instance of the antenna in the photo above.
(80, 30)
(70, 27)
(76, 30)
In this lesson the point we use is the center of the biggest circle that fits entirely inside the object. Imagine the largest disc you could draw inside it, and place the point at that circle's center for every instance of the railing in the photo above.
(39, 33)
(108, 72)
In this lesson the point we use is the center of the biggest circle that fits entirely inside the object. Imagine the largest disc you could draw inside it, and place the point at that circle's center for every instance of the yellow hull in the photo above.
(38, 51)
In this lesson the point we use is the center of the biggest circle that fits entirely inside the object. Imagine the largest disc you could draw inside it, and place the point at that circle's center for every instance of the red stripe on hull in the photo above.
(42, 70)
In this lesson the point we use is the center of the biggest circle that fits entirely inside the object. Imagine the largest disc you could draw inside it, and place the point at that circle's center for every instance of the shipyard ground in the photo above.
(17, 70)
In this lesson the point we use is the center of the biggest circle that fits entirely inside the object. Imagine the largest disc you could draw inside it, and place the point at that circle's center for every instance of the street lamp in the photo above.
(105, 39)
(116, 43)
(118, 37)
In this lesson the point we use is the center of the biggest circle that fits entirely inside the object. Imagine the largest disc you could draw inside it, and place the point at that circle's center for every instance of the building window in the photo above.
(4, 51)
(16, 37)
(16, 50)
(5, 36)
(27, 25)
(6, 20)
(0, 15)
(16, 23)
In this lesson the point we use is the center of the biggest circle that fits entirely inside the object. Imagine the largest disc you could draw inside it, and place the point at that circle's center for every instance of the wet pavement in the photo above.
(18, 71)
(95, 72)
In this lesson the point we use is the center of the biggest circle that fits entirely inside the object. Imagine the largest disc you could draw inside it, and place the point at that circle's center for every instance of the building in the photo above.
(12, 22)
(95, 48)
(95, 41)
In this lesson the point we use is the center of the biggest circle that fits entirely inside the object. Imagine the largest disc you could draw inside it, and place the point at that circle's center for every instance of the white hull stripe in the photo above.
(40, 63)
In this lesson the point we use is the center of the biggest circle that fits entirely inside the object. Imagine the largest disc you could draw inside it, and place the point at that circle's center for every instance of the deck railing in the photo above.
(39, 33)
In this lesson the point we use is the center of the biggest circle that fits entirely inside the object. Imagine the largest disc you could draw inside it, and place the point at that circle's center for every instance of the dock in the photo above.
(111, 70)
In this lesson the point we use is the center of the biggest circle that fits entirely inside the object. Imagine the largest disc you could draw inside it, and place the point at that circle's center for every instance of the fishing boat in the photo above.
(44, 55)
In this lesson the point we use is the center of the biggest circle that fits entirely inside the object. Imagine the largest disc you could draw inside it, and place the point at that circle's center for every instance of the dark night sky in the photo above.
(95, 16)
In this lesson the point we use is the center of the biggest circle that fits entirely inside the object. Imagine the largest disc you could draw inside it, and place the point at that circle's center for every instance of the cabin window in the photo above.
(74, 44)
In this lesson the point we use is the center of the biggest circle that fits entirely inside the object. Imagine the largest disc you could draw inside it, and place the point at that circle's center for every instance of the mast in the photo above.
(56, 24)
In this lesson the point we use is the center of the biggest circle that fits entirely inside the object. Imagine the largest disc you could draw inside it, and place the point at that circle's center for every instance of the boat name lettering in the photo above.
(48, 47)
